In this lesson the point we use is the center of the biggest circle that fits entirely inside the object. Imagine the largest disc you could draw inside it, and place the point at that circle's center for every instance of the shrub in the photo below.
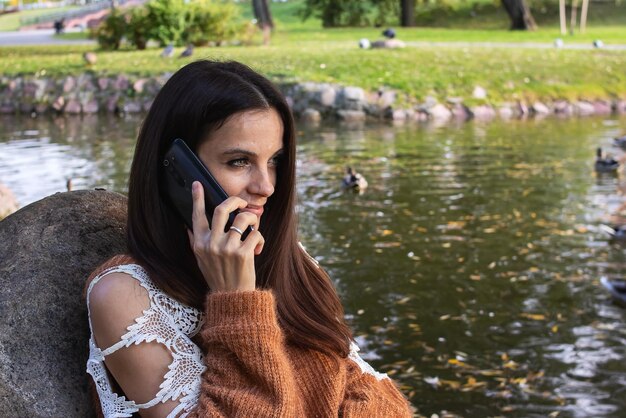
(167, 20)
(110, 32)
(138, 27)
(172, 22)
(211, 21)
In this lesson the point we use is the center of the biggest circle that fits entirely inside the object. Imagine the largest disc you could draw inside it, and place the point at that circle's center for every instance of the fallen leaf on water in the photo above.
(403, 300)
(434, 381)
(510, 365)
(534, 317)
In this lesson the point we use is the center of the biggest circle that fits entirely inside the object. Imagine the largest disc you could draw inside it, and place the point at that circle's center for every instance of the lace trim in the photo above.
(167, 322)
(363, 365)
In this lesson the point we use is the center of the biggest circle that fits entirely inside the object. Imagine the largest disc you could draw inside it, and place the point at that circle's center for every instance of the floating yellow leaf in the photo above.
(403, 300)
(510, 365)
(534, 317)
(386, 232)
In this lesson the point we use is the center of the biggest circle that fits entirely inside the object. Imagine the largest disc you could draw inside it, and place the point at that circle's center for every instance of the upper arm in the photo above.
(371, 393)
(115, 301)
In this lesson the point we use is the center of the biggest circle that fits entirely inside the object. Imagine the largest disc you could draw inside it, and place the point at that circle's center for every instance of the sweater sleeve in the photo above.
(247, 371)
(371, 394)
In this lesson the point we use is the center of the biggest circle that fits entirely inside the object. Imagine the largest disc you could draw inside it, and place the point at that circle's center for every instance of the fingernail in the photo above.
(194, 187)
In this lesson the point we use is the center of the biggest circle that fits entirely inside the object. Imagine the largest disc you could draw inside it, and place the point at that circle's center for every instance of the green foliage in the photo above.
(167, 21)
(211, 21)
(110, 32)
(173, 22)
(335, 13)
(138, 28)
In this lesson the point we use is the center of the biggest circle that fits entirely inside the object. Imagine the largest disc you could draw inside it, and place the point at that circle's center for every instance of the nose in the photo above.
(263, 183)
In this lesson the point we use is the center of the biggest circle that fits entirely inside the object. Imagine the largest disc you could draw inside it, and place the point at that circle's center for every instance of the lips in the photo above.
(257, 210)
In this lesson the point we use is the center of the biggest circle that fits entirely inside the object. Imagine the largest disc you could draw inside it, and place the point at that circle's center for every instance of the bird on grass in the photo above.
(389, 33)
(90, 58)
(605, 165)
(168, 51)
(187, 52)
(598, 43)
(617, 289)
(354, 180)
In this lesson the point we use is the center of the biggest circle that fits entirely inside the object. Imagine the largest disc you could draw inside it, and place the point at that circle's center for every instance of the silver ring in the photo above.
(237, 230)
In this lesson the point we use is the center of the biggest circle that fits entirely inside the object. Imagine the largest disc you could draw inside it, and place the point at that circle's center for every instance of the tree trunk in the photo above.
(519, 13)
(583, 16)
(562, 17)
(574, 17)
(407, 13)
(263, 17)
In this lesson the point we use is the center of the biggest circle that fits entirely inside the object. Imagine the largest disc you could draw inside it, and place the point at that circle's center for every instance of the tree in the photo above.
(407, 13)
(519, 13)
(263, 17)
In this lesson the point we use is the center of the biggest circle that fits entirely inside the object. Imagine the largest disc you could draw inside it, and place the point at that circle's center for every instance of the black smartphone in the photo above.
(181, 168)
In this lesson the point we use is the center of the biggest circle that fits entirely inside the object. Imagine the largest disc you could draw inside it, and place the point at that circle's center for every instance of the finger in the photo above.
(223, 210)
(191, 238)
(242, 221)
(254, 242)
(198, 215)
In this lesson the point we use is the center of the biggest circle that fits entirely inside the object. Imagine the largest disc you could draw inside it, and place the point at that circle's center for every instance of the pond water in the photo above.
(469, 268)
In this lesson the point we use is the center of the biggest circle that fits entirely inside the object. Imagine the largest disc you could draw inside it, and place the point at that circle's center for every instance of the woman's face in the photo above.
(243, 155)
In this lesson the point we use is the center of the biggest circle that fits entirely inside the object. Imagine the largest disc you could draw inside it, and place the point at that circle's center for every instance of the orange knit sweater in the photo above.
(253, 372)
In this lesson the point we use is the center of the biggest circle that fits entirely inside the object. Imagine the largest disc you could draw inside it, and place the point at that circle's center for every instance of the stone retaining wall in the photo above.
(311, 102)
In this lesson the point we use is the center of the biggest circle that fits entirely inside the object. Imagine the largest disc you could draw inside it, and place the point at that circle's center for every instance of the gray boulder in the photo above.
(53, 245)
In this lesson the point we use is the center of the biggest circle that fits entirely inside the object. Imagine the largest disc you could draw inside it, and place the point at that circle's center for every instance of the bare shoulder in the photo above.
(115, 301)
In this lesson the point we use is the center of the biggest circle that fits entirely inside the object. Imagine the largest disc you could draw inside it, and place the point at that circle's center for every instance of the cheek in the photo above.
(232, 185)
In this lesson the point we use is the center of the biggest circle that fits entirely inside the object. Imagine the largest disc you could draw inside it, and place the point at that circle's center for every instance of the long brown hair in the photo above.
(197, 99)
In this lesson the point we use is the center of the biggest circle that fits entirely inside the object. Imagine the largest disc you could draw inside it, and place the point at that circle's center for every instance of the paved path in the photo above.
(46, 37)
(38, 37)
(530, 45)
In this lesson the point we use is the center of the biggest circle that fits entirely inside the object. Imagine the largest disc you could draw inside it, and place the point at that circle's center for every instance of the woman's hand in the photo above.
(226, 262)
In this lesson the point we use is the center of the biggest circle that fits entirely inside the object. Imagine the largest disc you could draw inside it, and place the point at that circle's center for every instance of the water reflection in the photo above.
(469, 268)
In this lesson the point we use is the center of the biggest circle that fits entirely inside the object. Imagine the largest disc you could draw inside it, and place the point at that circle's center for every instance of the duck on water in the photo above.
(605, 165)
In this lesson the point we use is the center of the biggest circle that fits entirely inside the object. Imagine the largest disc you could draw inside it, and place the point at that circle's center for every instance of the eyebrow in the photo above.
(241, 151)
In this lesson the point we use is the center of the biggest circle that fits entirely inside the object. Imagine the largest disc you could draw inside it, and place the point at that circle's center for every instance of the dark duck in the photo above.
(620, 142)
(605, 165)
(615, 232)
(354, 180)
(617, 289)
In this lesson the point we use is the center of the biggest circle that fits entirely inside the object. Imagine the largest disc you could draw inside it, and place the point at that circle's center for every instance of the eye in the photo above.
(275, 161)
(239, 162)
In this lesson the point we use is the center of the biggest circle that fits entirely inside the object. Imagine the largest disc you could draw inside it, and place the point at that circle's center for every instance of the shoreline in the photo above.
(311, 102)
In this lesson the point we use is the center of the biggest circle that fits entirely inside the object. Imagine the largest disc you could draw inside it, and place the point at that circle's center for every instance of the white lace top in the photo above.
(172, 324)
(166, 321)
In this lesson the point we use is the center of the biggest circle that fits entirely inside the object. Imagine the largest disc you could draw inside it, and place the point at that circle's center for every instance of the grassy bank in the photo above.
(506, 73)
(302, 51)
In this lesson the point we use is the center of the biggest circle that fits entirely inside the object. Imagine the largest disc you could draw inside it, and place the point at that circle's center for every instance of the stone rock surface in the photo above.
(311, 116)
(54, 244)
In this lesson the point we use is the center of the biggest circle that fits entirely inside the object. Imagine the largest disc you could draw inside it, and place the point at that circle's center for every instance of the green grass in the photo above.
(305, 52)
(506, 73)
(11, 21)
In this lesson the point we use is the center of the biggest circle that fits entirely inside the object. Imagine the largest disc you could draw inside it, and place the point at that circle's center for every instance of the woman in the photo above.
(206, 323)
